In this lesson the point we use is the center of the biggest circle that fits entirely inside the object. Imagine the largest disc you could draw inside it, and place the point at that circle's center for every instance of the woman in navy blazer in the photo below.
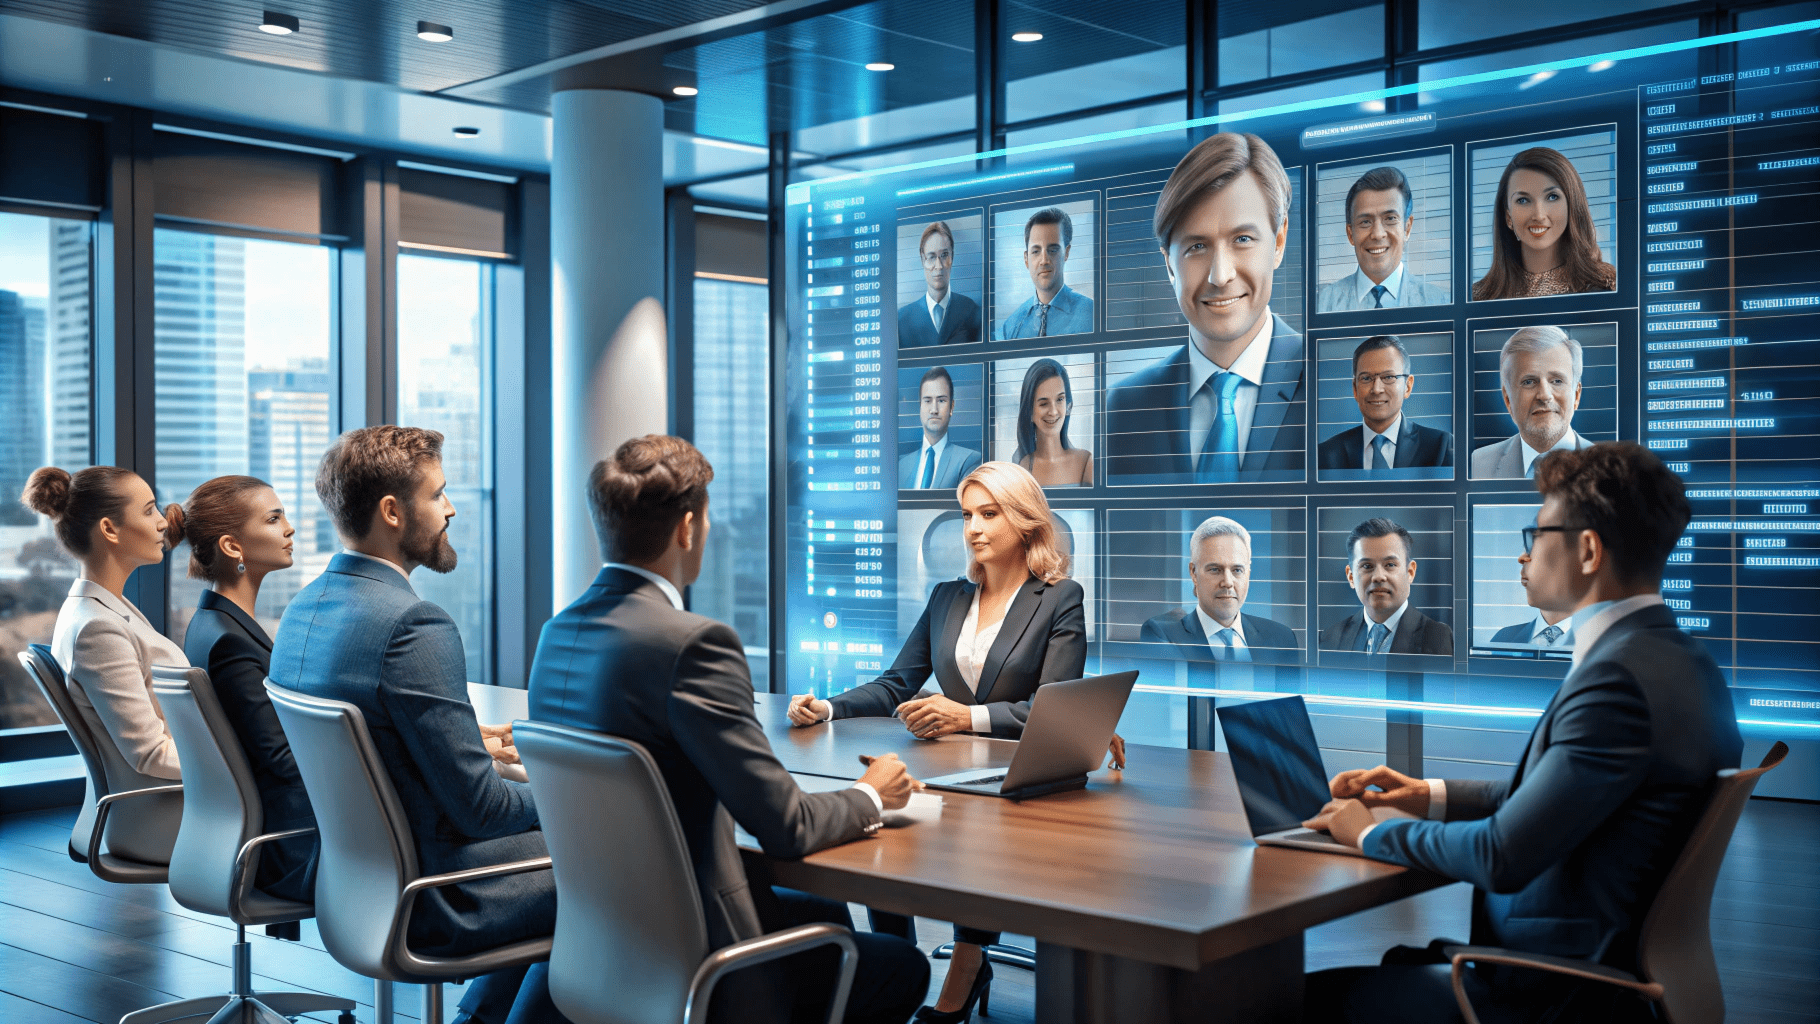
(238, 534)
(990, 641)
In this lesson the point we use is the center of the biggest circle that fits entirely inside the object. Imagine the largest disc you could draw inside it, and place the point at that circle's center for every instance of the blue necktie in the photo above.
(1219, 461)
(1230, 649)
(1379, 633)
(1377, 453)
(1549, 636)
(1377, 296)
(936, 315)
(1530, 470)
(928, 469)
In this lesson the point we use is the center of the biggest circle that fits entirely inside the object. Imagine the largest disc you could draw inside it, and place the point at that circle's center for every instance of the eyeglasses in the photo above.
(930, 259)
(1389, 380)
(1529, 534)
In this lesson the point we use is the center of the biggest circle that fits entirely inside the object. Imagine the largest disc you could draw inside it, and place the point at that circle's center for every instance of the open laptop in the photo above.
(1278, 767)
(1065, 738)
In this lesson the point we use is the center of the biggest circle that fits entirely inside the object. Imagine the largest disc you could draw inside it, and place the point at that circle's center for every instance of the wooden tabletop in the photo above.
(1153, 863)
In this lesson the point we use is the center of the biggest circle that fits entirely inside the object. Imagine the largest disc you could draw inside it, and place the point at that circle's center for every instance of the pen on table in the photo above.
(867, 759)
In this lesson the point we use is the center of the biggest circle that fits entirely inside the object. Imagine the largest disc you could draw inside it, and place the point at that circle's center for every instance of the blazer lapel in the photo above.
(945, 465)
(1409, 633)
(1510, 462)
(1017, 619)
(947, 672)
(1282, 378)
(1406, 445)
(247, 623)
(1176, 415)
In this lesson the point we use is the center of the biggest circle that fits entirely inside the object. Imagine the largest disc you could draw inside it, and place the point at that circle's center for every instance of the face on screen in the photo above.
(1050, 409)
(1536, 210)
(1044, 255)
(935, 408)
(1380, 573)
(938, 263)
(1551, 576)
(1221, 573)
(1377, 231)
(1380, 383)
(1541, 394)
(1220, 262)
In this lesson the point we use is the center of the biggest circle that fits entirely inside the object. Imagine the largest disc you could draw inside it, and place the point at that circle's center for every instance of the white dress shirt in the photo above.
(1390, 443)
(970, 652)
(1250, 368)
(1566, 626)
(376, 560)
(1211, 626)
(931, 453)
(1570, 441)
(942, 305)
(1395, 620)
(664, 585)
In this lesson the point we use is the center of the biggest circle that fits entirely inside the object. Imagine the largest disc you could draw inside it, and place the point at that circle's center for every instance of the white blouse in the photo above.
(970, 650)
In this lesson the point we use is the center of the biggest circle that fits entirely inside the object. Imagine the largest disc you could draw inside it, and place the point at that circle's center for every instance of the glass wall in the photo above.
(243, 332)
(445, 383)
(45, 342)
(731, 410)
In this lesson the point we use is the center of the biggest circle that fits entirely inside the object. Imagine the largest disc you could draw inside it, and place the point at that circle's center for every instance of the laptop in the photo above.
(1065, 738)
(1278, 767)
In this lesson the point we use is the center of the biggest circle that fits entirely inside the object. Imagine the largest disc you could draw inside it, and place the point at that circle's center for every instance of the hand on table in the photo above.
(934, 716)
(889, 779)
(1394, 789)
(1117, 749)
(808, 709)
(1342, 819)
(498, 740)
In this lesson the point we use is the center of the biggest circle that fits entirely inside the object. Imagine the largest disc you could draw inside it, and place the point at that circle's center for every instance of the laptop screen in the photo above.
(1276, 761)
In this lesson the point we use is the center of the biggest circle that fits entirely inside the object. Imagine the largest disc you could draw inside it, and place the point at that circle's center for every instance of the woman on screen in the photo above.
(1543, 239)
(990, 640)
(1043, 411)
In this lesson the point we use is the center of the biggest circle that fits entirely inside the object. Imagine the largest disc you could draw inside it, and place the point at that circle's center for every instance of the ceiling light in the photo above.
(430, 32)
(467, 132)
(1604, 65)
(279, 24)
(685, 90)
(1534, 80)
(881, 66)
(1026, 37)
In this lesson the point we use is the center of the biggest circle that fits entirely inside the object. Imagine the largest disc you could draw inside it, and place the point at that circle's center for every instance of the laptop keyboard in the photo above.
(985, 781)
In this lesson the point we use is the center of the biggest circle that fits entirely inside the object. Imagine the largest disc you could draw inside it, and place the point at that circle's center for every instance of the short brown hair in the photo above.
(1210, 167)
(935, 228)
(365, 465)
(639, 495)
(215, 510)
(1622, 492)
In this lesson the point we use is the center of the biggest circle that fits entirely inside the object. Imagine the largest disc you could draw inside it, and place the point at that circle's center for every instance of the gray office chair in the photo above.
(85, 845)
(217, 853)
(1676, 968)
(367, 879)
(631, 939)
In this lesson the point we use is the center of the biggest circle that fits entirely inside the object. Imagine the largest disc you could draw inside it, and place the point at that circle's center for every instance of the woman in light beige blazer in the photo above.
(109, 520)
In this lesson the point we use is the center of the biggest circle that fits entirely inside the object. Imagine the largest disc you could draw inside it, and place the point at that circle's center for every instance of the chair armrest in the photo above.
(105, 806)
(407, 900)
(752, 952)
(1585, 969)
(242, 860)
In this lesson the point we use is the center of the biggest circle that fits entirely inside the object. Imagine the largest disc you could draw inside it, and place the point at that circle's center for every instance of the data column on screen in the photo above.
(1731, 360)
(844, 615)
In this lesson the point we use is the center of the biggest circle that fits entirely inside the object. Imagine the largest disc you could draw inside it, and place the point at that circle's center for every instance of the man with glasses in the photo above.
(1566, 855)
(940, 316)
(1055, 308)
(1387, 440)
(1379, 215)
(1381, 569)
(1539, 369)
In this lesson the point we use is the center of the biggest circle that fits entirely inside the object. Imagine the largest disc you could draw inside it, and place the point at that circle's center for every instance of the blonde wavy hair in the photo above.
(1021, 499)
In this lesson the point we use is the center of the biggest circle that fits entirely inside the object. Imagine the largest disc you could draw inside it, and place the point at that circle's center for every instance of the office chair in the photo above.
(367, 879)
(217, 853)
(631, 939)
(1676, 968)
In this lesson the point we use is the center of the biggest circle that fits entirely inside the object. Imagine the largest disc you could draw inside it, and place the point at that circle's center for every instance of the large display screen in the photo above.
(1467, 274)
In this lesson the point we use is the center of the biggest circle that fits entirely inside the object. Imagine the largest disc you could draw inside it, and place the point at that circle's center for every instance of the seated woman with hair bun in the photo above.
(109, 519)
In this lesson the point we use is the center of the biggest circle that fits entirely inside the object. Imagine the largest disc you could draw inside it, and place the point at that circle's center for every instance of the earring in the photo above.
(240, 567)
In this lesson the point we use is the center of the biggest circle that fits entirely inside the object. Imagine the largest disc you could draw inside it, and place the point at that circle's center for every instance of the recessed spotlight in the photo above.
(467, 132)
(279, 24)
(685, 90)
(1027, 37)
(1604, 65)
(430, 32)
(881, 66)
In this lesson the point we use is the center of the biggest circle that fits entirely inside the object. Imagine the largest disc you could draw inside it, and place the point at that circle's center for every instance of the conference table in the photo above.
(1145, 893)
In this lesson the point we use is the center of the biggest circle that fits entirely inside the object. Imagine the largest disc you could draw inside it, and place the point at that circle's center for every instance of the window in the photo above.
(1091, 53)
(1440, 25)
(1269, 40)
(731, 411)
(445, 383)
(44, 388)
(241, 366)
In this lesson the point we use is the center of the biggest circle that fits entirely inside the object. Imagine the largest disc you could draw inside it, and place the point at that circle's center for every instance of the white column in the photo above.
(610, 358)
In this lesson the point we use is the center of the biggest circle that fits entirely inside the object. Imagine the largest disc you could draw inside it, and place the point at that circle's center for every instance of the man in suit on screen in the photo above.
(1567, 853)
(936, 463)
(1379, 215)
(1055, 308)
(1381, 568)
(1539, 372)
(941, 315)
(1386, 439)
(1216, 628)
(1229, 405)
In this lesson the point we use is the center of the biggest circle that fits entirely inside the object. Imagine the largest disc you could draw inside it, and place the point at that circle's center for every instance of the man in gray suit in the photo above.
(1379, 215)
(359, 633)
(936, 463)
(1566, 855)
(1381, 567)
(626, 659)
(1539, 371)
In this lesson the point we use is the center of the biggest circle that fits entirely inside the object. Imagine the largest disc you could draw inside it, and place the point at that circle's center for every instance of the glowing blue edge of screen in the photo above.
(1486, 710)
(799, 192)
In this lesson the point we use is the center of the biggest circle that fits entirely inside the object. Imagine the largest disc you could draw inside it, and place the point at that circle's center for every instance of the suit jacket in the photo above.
(359, 633)
(1353, 292)
(1503, 460)
(1147, 435)
(1523, 632)
(960, 324)
(954, 465)
(107, 650)
(623, 660)
(1567, 854)
(237, 653)
(1417, 445)
(1043, 640)
(1416, 634)
(1182, 627)
(1070, 313)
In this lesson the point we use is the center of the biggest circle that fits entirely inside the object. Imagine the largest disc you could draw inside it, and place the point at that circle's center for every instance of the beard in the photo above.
(426, 542)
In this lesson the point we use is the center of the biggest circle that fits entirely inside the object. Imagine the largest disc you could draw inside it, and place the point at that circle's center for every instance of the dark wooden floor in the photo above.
(74, 948)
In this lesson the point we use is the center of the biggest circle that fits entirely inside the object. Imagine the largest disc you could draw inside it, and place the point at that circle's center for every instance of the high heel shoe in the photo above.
(981, 994)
